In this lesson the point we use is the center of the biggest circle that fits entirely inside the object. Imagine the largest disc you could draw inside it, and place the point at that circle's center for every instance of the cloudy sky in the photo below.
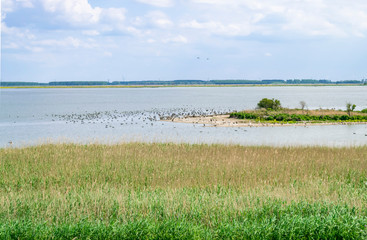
(58, 40)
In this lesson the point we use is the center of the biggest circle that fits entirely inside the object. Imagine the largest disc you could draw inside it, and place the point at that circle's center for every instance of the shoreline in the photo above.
(226, 121)
(167, 86)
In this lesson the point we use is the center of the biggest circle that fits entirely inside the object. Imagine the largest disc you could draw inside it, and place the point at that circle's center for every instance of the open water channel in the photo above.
(111, 115)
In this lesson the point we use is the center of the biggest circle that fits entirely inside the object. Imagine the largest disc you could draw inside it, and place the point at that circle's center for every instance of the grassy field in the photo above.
(182, 191)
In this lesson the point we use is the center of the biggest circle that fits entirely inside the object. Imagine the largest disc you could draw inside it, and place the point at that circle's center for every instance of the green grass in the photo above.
(298, 115)
(298, 221)
(182, 191)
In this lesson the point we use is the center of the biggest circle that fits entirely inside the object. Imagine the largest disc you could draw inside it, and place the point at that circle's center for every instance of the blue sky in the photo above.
(69, 40)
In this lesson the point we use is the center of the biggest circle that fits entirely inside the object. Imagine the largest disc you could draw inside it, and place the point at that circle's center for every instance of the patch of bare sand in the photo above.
(226, 121)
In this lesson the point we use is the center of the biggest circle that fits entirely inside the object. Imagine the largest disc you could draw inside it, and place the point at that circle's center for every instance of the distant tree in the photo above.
(266, 103)
(350, 108)
(303, 104)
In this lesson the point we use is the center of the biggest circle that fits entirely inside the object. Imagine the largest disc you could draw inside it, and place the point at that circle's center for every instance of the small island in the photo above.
(269, 113)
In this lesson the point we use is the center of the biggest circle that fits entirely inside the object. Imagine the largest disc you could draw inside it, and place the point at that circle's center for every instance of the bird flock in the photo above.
(150, 117)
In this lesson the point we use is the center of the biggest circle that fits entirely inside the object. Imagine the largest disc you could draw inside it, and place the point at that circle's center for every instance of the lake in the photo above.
(111, 115)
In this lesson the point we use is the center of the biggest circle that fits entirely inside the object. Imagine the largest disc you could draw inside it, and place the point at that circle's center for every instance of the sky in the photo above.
(112, 40)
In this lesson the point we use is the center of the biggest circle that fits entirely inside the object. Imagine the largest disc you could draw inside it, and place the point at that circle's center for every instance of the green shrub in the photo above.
(260, 115)
(296, 117)
(270, 104)
(344, 117)
(281, 117)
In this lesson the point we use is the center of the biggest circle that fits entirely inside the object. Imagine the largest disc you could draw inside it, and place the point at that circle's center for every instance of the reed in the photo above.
(191, 191)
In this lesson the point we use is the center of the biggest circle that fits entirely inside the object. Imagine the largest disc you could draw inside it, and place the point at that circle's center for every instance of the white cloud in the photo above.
(79, 13)
(217, 17)
(158, 3)
(308, 24)
(34, 49)
(134, 31)
(17, 38)
(91, 32)
(159, 19)
(16, 32)
(68, 42)
(176, 39)
(11, 45)
(127, 30)
(73, 11)
(25, 3)
(114, 15)
(303, 17)
(7, 6)
(355, 19)
(213, 27)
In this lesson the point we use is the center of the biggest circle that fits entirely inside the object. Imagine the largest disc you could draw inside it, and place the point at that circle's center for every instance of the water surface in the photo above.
(110, 115)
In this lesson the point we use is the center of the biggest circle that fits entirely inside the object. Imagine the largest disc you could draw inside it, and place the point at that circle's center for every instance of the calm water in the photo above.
(33, 116)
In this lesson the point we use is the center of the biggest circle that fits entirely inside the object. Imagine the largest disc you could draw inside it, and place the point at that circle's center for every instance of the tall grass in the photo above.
(157, 191)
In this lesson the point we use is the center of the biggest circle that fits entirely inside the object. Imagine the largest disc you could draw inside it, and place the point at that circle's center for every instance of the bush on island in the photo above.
(272, 104)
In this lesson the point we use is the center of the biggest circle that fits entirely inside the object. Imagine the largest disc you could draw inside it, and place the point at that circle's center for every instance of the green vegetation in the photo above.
(182, 191)
(271, 110)
(227, 82)
(271, 104)
(79, 83)
(296, 115)
(350, 108)
(26, 84)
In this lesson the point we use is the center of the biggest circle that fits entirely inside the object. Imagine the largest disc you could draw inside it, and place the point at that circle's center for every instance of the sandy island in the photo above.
(226, 121)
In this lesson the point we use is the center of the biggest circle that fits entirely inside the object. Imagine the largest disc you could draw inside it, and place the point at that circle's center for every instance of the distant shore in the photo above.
(185, 83)
(194, 85)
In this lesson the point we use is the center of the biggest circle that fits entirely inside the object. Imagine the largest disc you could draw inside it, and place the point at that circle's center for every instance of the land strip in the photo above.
(226, 121)
(269, 118)
(178, 85)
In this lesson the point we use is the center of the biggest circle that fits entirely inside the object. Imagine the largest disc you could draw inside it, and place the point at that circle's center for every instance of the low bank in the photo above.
(276, 118)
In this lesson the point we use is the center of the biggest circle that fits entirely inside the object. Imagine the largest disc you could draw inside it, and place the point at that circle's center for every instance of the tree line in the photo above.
(185, 82)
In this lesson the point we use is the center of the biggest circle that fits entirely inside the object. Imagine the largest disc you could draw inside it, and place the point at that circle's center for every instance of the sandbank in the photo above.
(226, 121)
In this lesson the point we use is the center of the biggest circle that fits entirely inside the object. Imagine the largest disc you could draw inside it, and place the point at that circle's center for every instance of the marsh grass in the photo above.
(313, 112)
(287, 115)
(183, 191)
